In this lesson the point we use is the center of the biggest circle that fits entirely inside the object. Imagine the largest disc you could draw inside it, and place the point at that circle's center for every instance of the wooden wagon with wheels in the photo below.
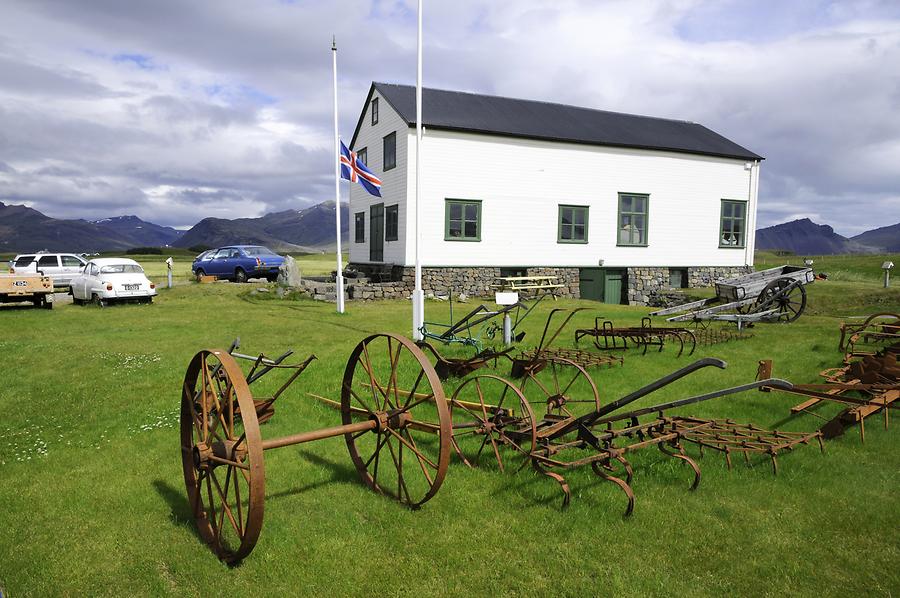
(773, 295)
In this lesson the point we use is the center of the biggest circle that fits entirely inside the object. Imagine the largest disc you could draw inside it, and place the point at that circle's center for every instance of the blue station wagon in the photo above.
(238, 263)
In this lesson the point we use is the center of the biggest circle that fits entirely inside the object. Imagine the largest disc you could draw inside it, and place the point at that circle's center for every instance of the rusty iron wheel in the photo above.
(790, 301)
(222, 455)
(490, 414)
(389, 380)
(563, 386)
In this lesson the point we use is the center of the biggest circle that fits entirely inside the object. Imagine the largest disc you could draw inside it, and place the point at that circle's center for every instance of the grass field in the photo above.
(93, 499)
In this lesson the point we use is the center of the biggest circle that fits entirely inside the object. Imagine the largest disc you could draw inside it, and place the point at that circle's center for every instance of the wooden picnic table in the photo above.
(521, 283)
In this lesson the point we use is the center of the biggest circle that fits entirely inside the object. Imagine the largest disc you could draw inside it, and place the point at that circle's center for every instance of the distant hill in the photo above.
(887, 237)
(25, 229)
(805, 237)
(140, 232)
(311, 229)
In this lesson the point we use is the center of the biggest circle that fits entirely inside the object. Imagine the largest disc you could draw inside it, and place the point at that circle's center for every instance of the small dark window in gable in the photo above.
(390, 151)
(375, 111)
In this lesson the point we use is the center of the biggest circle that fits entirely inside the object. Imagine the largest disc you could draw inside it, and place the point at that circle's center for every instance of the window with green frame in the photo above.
(462, 220)
(391, 222)
(733, 230)
(632, 221)
(359, 227)
(573, 224)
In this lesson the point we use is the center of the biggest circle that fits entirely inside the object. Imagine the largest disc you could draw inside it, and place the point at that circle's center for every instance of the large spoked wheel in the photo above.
(221, 451)
(562, 385)
(490, 415)
(785, 296)
(390, 381)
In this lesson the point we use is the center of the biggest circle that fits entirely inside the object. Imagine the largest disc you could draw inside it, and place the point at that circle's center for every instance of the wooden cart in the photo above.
(773, 295)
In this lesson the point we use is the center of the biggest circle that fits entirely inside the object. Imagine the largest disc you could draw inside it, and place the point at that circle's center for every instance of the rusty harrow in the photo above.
(536, 359)
(505, 430)
(607, 337)
(713, 336)
(877, 331)
(864, 387)
(399, 442)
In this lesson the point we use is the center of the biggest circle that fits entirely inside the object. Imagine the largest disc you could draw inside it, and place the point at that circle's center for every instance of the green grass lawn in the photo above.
(92, 499)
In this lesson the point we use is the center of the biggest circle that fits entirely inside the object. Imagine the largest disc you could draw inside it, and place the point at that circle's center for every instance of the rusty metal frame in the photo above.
(220, 432)
(865, 387)
(645, 335)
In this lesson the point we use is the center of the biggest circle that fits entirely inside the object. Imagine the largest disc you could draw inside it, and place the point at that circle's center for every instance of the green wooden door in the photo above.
(376, 233)
(590, 282)
(613, 286)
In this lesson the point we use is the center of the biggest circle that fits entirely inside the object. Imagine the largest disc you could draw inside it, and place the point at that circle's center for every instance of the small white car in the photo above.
(112, 279)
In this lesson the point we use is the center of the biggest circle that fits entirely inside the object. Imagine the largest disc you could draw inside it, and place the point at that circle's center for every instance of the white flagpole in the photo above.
(418, 296)
(339, 278)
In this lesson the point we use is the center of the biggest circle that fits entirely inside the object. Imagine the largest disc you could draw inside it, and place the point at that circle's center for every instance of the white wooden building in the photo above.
(616, 205)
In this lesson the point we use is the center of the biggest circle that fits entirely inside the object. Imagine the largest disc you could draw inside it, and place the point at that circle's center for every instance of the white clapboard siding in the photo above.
(521, 184)
(393, 190)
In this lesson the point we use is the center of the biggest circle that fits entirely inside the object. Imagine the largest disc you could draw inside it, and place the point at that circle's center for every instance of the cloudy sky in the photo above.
(176, 110)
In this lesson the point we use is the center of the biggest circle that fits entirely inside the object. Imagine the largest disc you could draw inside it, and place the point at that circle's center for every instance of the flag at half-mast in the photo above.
(353, 169)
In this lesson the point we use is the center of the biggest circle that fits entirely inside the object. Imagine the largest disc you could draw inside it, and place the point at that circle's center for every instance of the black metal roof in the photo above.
(494, 115)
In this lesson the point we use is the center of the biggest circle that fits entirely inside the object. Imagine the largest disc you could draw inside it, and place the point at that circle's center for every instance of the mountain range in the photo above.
(312, 230)
(805, 237)
(25, 229)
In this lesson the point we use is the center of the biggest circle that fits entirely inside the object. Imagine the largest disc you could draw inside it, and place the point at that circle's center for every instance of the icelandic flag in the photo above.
(354, 171)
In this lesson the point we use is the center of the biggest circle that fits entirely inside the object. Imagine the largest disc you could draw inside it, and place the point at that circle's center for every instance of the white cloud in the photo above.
(228, 103)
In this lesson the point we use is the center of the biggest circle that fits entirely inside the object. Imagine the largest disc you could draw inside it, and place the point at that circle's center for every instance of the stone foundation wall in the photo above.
(705, 276)
(473, 282)
(644, 283)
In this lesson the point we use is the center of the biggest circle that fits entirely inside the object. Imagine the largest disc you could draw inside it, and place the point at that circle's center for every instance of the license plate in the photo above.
(20, 283)
(132, 287)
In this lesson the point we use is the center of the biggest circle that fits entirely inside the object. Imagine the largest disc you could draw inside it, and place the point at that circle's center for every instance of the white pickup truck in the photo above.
(61, 267)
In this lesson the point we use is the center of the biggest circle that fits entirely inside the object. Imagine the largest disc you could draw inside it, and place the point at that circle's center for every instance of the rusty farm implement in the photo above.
(867, 384)
(877, 331)
(503, 428)
(399, 442)
(607, 337)
(401, 428)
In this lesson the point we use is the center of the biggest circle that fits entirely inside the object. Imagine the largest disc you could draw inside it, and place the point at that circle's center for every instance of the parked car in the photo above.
(61, 267)
(112, 279)
(238, 263)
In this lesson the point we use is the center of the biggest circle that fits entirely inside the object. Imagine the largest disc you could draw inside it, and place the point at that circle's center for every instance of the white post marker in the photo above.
(169, 264)
(339, 278)
(418, 296)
